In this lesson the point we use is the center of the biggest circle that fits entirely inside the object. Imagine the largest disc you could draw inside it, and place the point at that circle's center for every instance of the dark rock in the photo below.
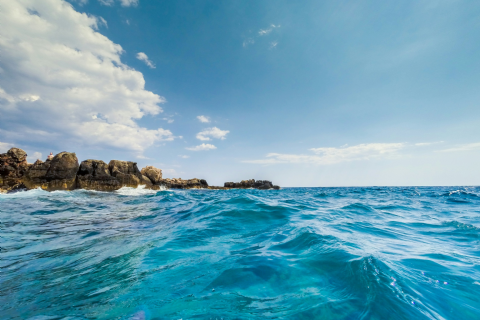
(13, 166)
(94, 175)
(57, 174)
(246, 184)
(17, 188)
(184, 184)
(126, 172)
(154, 174)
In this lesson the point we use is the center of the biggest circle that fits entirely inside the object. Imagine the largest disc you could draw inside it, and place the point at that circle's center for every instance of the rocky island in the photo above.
(62, 172)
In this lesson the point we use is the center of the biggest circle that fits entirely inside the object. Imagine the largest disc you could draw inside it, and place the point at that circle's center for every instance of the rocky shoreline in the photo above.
(63, 172)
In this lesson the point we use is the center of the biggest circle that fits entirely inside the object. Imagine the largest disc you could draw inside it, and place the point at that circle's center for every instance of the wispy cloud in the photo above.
(203, 119)
(202, 147)
(248, 42)
(169, 120)
(335, 155)
(183, 156)
(263, 32)
(143, 57)
(214, 132)
(425, 144)
(463, 147)
(273, 44)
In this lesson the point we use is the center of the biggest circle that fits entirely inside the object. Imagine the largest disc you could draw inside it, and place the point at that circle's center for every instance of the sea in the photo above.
(294, 253)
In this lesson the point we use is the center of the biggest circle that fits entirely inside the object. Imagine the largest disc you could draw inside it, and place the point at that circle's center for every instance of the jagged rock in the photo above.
(60, 173)
(94, 175)
(126, 172)
(13, 166)
(184, 184)
(246, 184)
(154, 174)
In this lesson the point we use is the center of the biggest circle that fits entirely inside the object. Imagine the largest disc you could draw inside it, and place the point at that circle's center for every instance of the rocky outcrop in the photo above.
(152, 173)
(247, 184)
(126, 172)
(184, 184)
(13, 166)
(94, 175)
(60, 173)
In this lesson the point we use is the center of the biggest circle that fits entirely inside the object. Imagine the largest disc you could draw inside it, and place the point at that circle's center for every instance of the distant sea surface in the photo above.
(295, 253)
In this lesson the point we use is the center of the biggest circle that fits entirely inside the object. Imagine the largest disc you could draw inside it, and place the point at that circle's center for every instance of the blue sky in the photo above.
(310, 93)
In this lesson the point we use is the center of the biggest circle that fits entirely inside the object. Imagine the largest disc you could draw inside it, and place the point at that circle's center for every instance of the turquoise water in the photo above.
(296, 253)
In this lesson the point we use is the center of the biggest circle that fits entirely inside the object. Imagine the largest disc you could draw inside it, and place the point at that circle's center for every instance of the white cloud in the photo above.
(203, 119)
(184, 156)
(4, 147)
(62, 78)
(202, 147)
(124, 3)
(143, 57)
(273, 44)
(464, 147)
(335, 155)
(425, 144)
(128, 3)
(169, 120)
(263, 32)
(212, 132)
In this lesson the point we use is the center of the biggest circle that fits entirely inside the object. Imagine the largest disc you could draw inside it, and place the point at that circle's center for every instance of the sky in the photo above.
(302, 93)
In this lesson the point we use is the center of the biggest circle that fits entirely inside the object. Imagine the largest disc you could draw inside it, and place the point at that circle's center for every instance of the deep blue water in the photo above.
(296, 253)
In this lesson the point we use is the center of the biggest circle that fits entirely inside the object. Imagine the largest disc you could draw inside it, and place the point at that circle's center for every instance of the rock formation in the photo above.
(13, 166)
(126, 172)
(184, 184)
(60, 173)
(246, 184)
(154, 174)
(94, 175)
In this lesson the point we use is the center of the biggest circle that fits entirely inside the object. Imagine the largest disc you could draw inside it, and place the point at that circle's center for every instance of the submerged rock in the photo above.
(154, 174)
(94, 175)
(246, 184)
(60, 173)
(13, 166)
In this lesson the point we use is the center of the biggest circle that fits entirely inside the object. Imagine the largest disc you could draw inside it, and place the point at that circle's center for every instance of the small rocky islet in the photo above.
(63, 172)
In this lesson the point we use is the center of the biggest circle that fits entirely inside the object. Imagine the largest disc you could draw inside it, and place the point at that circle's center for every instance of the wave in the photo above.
(298, 253)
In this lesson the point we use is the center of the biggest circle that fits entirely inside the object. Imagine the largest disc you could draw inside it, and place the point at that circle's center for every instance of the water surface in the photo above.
(295, 253)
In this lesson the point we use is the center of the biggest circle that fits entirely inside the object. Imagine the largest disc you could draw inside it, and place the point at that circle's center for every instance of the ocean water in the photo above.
(296, 253)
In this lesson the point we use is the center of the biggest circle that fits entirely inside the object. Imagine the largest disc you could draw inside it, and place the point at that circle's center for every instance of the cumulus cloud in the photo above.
(203, 119)
(263, 32)
(202, 147)
(335, 155)
(62, 79)
(214, 132)
(463, 147)
(143, 57)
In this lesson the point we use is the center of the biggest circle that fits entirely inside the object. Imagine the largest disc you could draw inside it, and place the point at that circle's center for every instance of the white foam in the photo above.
(140, 191)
